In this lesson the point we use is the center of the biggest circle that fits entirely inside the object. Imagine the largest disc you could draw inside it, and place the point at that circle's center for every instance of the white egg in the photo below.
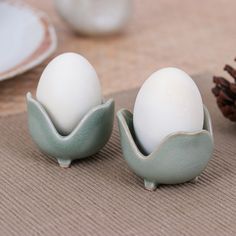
(169, 101)
(68, 88)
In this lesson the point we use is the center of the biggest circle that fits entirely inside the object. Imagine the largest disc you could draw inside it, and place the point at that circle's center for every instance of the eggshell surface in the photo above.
(68, 88)
(168, 102)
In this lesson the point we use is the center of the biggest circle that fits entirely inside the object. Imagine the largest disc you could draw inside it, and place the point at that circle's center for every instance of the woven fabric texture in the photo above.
(101, 196)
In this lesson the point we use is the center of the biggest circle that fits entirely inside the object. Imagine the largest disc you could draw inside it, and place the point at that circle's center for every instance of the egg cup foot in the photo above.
(194, 181)
(150, 185)
(64, 163)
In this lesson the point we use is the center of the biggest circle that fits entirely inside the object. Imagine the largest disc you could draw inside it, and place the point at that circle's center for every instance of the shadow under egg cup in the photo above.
(88, 137)
(181, 156)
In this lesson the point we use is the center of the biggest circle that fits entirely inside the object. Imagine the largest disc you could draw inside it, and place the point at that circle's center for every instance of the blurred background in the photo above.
(196, 36)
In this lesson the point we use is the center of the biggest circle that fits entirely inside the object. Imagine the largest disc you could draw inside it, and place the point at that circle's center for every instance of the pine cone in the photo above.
(225, 93)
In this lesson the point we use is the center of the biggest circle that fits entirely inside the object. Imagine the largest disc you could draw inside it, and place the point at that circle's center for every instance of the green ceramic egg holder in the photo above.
(90, 135)
(181, 156)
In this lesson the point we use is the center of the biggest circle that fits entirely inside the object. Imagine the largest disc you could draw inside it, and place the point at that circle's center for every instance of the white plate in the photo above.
(26, 38)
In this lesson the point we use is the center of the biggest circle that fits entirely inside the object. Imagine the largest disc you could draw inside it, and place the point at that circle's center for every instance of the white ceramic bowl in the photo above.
(95, 17)
(27, 38)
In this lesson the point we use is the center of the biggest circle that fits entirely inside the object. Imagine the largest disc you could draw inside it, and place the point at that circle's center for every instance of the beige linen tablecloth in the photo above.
(101, 196)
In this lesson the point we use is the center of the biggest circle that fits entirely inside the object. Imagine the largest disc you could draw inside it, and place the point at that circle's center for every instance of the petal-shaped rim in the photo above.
(124, 114)
(31, 100)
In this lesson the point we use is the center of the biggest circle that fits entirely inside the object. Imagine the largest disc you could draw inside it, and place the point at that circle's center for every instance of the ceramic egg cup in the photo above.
(90, 135)
(181, 157)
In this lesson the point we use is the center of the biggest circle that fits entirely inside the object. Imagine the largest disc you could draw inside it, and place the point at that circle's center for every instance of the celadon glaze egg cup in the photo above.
(88, 137)
(181, 157)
